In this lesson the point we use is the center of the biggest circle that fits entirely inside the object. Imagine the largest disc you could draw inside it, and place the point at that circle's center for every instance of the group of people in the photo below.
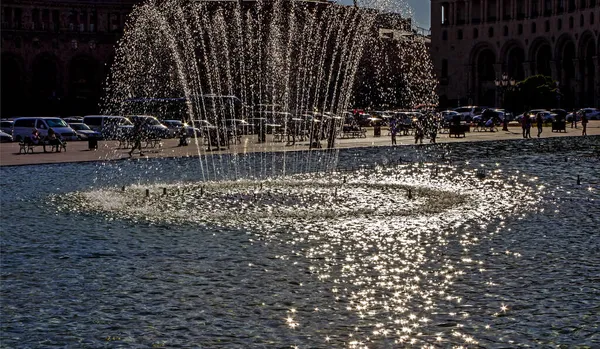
(526, 124)
(52, 139)
(426, 124)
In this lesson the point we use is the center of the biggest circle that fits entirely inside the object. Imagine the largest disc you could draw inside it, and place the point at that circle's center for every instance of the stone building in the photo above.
(55, 54)
(475, 42)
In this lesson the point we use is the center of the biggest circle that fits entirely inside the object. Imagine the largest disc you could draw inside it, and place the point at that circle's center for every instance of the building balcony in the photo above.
(476, 21)
(491, 19)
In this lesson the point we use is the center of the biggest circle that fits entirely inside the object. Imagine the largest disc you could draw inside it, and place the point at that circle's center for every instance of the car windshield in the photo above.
(56, 123)
(79, 127)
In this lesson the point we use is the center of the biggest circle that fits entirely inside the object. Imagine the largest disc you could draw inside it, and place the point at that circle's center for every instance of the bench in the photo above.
(27, 147)
(457, 130)
(362, 133)
(154, 142)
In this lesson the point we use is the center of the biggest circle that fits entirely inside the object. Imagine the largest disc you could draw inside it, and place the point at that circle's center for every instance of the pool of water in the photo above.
(491, 244)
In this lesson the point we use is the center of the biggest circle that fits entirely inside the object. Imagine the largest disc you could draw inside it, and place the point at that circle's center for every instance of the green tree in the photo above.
(535, 92)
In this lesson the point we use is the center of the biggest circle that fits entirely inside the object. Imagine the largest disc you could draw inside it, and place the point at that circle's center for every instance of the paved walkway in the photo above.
(108, 150)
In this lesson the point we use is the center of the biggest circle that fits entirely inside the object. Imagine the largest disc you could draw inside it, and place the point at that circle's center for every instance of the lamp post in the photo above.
(502, 85)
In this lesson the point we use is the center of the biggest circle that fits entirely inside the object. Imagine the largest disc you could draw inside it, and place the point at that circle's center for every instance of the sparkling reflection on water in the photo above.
(490, 244)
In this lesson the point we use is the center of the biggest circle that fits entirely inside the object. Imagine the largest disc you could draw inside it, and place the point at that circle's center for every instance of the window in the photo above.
(560, 7)
(592, 18)
(547, 8)
(444, 35)
(444, 68)
(571, 22)
(445, 13)
(18, 42)
(582, 4)
(476, 12)
(581, 20)
(505, 30)
(534, 9)
(520, 29)
(459, 34)
(533, 28)
(55, 20)
(475, 33)
(491, 32)
(547, 26)
(491, 11)
(571, 5)
(559, 24)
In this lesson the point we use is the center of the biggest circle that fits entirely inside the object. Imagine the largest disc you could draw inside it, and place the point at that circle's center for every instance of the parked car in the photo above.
(591, 113)
(561, 114)
(175, 126)
(23, 127)
(450, 115)
(6, 126)
(469, 112)
(497, 114)
(84, 131)
(151, 125)
(547, 115)
(5, 137)
(109, 126)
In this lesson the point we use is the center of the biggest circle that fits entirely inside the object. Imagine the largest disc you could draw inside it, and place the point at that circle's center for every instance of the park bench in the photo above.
(27, 146)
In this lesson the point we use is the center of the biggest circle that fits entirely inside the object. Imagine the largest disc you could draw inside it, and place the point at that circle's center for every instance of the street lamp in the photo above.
(503, 84)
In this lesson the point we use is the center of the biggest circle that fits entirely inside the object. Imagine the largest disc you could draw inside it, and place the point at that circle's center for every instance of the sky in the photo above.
(421, 9)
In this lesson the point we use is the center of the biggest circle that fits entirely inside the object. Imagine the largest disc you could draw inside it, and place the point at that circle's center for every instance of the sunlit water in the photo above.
(480, 245)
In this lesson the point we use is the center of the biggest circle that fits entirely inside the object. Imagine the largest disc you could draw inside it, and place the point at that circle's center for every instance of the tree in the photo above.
(537, 91)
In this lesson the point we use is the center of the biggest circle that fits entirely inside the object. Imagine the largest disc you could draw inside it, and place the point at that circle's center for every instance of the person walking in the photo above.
(584, 122)
(137, 138)
(527, 127)
(393, 130)
(540, 123)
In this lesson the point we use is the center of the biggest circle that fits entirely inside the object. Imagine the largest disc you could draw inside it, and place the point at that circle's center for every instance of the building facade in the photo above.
(55, 54)
(475, 42)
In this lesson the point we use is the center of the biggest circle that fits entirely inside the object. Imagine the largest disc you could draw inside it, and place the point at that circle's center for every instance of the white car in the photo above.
(5, 137)
(175, 126)
(469, 112)
(84, 131)
(151, 125)
(590, 113)
(6, 126)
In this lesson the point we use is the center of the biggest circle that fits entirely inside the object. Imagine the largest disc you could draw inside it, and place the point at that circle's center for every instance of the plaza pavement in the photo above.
(109, 151)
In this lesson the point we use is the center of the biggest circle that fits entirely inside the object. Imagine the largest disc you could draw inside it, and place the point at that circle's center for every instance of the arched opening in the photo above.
(83, 85)
(45, 85)
(587, 52)
(514, 63)
(483, 76)
(13, 98)
(565, 57)
(540, 54)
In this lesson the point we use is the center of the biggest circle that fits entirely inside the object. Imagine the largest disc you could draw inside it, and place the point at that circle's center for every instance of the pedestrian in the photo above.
(393, 130)
(419, 133)
(137, 138)
(584, 122)
(528, 127)
(523, 124)
(574, 119)
(540, 123)
(505, 122)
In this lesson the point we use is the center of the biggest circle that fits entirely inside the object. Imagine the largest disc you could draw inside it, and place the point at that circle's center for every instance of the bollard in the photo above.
(578, 180)
(147, 192)
(410, 194)
(123, 188)
(335, 193)
(164, 191)
(202, 190)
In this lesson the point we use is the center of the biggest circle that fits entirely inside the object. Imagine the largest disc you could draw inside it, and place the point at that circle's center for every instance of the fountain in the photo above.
(289, 65)
(431, 246)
